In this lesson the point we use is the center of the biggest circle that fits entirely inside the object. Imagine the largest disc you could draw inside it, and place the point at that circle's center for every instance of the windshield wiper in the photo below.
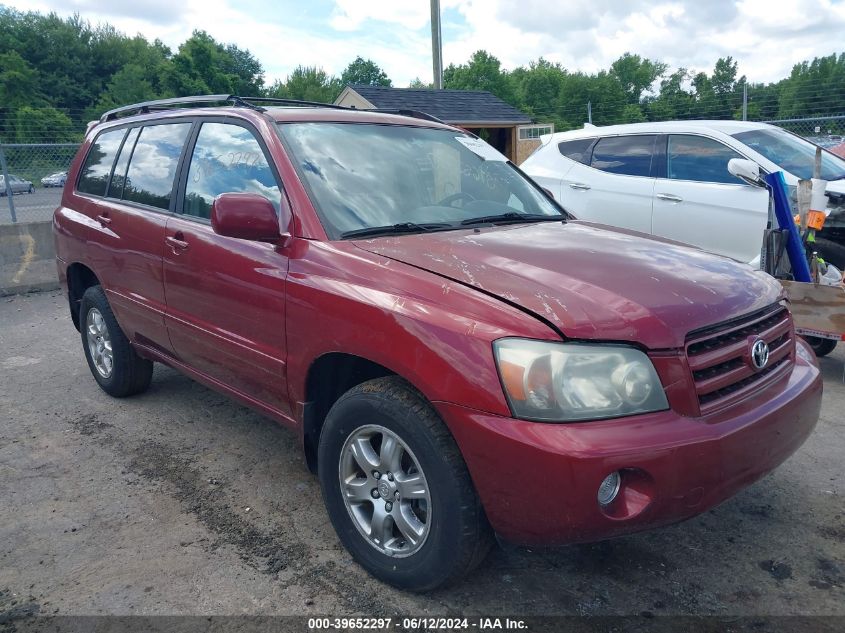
(513, 216)
(402, 227)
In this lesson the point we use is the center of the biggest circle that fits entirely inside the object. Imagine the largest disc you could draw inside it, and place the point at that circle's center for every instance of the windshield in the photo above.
(366, 175)
(792, 153)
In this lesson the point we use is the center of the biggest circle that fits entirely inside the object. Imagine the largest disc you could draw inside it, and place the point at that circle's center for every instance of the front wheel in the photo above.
(397, 489)
(821, 346)
(112, 360)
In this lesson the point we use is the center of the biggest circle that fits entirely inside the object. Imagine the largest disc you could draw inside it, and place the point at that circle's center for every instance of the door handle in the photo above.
(104, 219)
(578, 185)
(670, 197)
(176, 244)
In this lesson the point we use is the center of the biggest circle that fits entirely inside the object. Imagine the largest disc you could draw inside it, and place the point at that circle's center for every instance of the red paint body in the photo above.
(250, 318)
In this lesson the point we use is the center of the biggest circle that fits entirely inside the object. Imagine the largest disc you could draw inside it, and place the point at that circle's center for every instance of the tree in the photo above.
(364, 72)
(538, 88)
(636, 74)
(203, 65)
(482, 72)
(420, 84)
(308, 83)
(18, 82)
(37, 125)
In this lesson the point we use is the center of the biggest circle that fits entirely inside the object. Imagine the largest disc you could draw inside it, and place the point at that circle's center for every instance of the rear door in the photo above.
(699, 202)
(226, 296)
(128, 199)
(614, 184)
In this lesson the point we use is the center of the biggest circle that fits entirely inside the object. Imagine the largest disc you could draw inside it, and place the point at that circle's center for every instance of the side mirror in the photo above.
(746, 170)
(249, 216)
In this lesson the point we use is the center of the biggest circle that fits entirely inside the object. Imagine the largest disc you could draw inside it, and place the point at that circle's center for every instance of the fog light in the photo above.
(609, 488)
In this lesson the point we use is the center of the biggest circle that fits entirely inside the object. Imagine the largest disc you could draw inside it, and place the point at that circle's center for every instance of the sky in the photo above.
(766, 37)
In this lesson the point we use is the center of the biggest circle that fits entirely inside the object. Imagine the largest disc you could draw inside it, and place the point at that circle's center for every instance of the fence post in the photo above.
(9, 195)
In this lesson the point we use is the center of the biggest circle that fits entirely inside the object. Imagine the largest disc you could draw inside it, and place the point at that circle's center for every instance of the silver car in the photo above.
(54, 180)
(17, 185)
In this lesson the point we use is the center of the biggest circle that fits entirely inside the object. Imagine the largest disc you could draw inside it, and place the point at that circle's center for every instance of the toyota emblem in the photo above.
(759, 354)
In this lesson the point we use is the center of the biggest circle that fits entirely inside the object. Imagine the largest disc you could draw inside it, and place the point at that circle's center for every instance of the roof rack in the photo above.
(417, 114)
(243, 102)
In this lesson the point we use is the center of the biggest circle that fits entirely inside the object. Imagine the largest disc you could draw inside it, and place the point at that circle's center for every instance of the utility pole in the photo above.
(590, 112)
(745, 100)
(436, 44)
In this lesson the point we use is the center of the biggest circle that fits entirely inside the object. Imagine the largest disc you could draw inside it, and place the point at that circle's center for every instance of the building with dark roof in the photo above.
(507, 129)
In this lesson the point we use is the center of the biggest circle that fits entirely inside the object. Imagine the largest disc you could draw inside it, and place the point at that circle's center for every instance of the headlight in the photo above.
(567, 382)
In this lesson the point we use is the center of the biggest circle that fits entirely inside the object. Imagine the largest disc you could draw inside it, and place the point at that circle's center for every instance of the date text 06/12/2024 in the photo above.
(416, 624)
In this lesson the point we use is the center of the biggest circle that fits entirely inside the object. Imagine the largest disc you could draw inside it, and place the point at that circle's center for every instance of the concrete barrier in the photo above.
(27, 258)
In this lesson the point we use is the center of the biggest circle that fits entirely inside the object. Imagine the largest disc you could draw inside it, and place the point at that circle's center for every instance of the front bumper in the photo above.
(538, 482)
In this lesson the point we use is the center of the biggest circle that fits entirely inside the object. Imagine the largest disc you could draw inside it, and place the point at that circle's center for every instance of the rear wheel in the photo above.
(821, 346)
(112, 360)
(830, 251)
(31, 189)
(397, 489)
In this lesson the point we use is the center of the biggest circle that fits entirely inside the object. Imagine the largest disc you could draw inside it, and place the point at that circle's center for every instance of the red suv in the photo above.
(458, 355)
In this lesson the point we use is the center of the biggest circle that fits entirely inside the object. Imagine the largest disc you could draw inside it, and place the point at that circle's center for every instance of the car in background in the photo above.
(17, 185)
(54, 180)
(670, 179)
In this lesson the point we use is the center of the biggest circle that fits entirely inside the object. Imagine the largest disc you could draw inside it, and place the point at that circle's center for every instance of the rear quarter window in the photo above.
(577, 149)
(94, 177)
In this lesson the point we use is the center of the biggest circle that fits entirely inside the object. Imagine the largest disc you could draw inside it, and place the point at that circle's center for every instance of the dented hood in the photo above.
(590, 281)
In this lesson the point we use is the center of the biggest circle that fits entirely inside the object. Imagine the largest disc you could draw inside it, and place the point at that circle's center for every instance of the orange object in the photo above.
(815, 220)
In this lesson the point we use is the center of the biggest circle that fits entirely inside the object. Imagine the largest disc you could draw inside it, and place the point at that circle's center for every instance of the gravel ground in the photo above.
(181, 502)
(34, 207)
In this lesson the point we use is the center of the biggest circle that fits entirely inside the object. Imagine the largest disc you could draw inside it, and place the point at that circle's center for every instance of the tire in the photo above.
(821, 346)
(127, 374)
(31, 189)
(455, 536)
(831, 252)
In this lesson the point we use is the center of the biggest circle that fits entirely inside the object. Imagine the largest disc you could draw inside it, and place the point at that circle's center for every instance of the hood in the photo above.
(590, 281)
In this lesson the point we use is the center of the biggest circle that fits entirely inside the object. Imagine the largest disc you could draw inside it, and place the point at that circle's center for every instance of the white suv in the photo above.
(671, 179)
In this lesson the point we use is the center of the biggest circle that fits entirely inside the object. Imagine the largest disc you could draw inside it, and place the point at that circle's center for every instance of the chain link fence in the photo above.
(826, 131)
(36, 175)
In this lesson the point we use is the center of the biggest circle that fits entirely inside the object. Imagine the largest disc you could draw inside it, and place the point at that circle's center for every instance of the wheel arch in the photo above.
(79, 279)
(329, 377)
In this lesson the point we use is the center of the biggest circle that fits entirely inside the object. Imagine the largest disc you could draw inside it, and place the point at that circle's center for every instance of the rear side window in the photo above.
(627, 155)
(95, 173)
(700, 159)
(149, 179)
(577, 150)
(227, 159)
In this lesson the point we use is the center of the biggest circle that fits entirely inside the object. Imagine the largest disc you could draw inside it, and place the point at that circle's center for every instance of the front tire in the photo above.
(821, 346)
(397, 489)
(116, 367)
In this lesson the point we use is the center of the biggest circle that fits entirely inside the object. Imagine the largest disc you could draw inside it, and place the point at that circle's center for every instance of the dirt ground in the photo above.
(179, 501)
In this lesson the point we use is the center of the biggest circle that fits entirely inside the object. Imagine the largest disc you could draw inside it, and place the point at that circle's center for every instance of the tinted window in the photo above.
(95, 173)
(577, 149)
(119, 175)
(227, 159)
(149, 179)
(628, 155)
(699, 158)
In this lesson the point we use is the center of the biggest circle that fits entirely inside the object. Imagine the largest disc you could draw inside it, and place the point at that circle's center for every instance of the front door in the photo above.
(226, 296)
(701, 203)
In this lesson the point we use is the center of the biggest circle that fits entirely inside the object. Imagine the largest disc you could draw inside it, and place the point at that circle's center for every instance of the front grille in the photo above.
(719, 356)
